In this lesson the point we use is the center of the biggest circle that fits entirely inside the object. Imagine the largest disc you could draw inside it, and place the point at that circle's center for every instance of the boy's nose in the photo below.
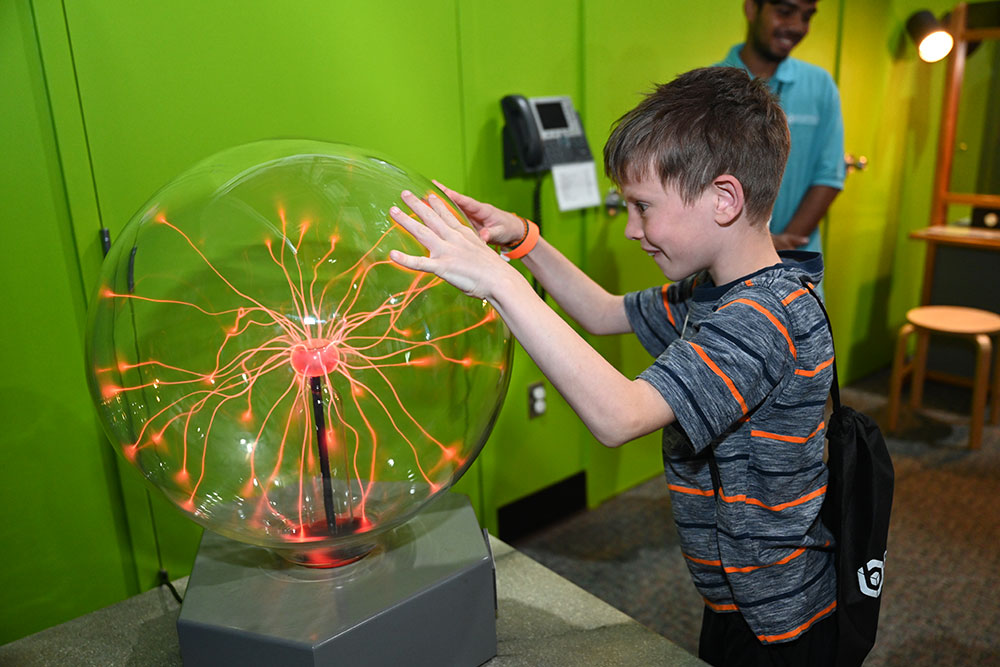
(633, 230)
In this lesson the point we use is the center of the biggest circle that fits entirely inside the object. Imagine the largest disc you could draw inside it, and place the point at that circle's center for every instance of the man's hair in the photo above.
(705, 123)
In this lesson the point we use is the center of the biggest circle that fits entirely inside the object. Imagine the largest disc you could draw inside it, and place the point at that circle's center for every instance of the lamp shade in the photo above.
(932, 40)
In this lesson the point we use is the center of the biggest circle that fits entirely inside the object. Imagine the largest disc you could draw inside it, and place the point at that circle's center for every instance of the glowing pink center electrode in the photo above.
(314, 357)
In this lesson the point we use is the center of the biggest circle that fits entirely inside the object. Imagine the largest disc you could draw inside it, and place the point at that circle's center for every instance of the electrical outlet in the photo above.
(536, 400)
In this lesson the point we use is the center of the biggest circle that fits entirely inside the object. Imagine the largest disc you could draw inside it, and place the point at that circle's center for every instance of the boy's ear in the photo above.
(729, 201)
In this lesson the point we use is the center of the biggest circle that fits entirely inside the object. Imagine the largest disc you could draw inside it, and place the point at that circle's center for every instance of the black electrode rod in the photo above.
(324, 458)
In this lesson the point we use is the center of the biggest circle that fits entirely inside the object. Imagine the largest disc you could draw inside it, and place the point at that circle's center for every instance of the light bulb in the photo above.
(935, 46)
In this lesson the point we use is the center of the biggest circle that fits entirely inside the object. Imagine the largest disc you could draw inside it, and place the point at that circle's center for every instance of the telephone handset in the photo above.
(522, 130)
(541, 132)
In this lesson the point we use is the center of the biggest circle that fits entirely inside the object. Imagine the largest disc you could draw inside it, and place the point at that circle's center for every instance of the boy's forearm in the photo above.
(614, 408)
(589, 304)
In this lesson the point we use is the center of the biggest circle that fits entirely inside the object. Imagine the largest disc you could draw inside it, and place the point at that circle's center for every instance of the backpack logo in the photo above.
(870, 577)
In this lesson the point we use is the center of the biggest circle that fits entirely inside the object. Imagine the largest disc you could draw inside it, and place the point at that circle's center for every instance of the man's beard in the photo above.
(763, 48)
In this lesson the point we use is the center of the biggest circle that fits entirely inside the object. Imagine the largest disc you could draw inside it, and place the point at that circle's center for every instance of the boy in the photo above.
(742, 351)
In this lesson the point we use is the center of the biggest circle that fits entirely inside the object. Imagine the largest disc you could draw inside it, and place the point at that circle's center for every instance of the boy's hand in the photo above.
(457, 254)
(495, 226)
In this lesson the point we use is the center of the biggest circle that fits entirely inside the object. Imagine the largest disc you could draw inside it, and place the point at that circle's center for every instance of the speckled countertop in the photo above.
(543, 620)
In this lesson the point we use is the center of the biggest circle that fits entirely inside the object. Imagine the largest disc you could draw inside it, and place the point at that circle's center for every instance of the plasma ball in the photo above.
(314, 357)
(333, 393)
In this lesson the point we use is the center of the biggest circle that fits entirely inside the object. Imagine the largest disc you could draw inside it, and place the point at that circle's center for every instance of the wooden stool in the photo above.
(974, 324)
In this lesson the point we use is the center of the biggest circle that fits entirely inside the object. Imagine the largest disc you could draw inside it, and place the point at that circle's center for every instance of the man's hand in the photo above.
(457, 254)
(494, 225)
(814, 205)
(788, 241)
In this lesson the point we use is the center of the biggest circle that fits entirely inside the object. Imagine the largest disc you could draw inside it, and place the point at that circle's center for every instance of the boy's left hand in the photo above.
(457, 254)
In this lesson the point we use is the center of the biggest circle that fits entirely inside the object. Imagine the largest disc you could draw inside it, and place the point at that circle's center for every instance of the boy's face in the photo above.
(776, 27)
(681, 239)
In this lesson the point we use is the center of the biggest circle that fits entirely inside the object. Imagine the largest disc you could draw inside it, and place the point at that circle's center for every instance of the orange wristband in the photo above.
(523, 236)
(527, 244)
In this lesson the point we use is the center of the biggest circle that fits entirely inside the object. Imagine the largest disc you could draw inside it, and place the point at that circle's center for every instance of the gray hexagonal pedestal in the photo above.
(424, 596)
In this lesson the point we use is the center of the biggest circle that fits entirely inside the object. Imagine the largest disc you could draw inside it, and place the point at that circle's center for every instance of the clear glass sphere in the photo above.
(255, 354)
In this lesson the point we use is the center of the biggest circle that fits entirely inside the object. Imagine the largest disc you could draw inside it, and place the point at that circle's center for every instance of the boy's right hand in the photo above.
(495, 226)
(456, 253)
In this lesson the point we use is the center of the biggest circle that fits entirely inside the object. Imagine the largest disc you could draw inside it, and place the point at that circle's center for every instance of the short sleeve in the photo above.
(829, 168)
(728, 368)
(657, 314)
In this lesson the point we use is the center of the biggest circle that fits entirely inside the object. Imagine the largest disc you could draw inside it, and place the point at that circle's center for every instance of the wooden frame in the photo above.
(942, 194)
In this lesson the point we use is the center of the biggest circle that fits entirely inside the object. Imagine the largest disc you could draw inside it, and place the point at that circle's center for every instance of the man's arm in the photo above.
(827, 171)
(808, 215)
(827, 174)
(614, 408)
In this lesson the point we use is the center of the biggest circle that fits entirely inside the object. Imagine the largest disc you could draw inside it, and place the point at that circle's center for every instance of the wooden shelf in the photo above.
(966, 237)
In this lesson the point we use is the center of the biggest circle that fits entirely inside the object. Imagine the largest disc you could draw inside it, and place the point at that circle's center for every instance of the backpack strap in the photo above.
(834, 388)
(835, 385)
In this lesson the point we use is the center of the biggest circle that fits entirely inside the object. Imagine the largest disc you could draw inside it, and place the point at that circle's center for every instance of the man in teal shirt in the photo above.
(814, 174)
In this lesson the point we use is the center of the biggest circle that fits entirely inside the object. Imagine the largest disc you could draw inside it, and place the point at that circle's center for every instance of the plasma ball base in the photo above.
(424, 596)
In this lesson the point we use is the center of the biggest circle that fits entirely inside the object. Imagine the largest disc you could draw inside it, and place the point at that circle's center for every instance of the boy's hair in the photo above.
(705, 123)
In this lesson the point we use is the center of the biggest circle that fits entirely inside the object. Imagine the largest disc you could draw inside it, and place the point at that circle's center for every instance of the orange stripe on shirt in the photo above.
(813, 372)
(750, 568)
(689, 490)
(799, 630)
(702, 561)
(725, 378)
(770, 316)
(720, 607)
(787, 438)
(666, 304)
(791, 503)
(742, 498)
(793, 296)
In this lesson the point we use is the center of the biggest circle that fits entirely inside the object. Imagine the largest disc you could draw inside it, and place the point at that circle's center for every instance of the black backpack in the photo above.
(856, 510)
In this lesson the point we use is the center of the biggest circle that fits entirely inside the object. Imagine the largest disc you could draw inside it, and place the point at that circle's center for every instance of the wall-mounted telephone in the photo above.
(541, 132)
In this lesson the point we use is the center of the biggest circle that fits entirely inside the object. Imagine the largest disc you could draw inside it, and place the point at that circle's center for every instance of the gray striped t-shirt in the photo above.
(746, 367)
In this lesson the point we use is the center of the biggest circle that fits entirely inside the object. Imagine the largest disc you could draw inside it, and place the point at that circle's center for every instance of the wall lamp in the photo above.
(932, 40)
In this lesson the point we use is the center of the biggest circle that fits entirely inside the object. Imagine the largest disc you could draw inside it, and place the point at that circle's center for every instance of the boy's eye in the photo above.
(641, 206)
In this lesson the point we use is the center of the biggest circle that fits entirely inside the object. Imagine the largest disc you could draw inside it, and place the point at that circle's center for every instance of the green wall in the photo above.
(64, 540)
(105, 100)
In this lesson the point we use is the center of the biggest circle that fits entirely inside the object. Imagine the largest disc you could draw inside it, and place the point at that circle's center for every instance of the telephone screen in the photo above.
(552, 116)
